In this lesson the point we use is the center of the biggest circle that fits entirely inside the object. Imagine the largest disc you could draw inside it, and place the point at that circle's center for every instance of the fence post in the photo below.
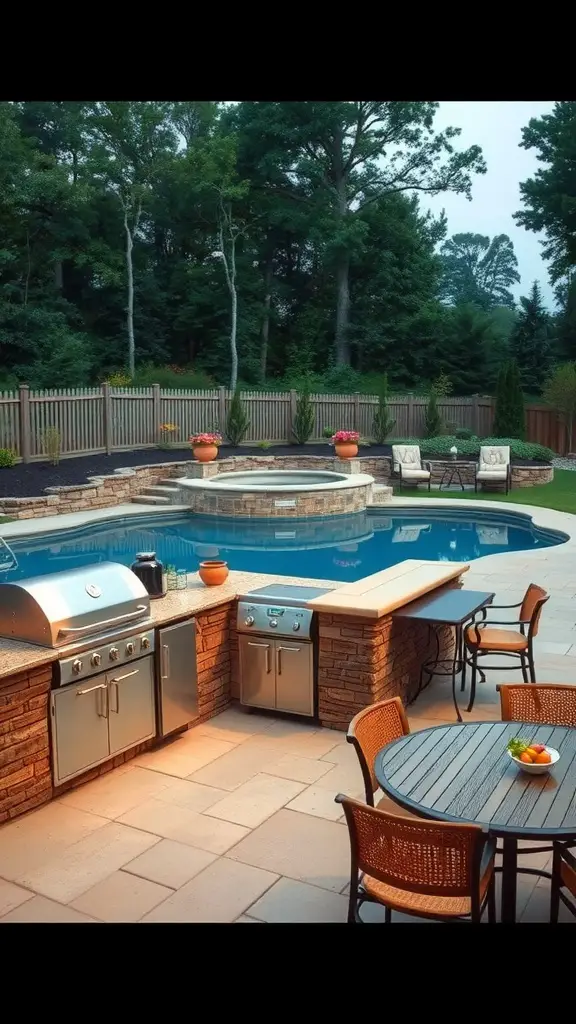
(476, 416)
(410, 415)
(156, 411)
(24, 412)
(293, 401)
(222, 410)
(357, 411)
(107, 417)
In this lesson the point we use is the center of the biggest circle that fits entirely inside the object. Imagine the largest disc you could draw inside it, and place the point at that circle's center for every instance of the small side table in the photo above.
(453, 471)
(454, 608)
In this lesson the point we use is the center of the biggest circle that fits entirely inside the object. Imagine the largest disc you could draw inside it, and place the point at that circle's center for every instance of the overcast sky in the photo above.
(496, 126)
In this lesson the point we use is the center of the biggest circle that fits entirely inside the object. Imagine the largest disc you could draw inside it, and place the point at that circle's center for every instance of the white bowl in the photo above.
(537, 769)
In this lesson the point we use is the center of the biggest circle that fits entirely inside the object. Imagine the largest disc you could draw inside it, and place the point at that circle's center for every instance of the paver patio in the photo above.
(235, 820)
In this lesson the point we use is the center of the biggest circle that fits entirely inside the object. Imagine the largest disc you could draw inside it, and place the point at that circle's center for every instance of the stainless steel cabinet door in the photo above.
(294, 690)
(178, 683)
(79, 727)
(257, 681)
(131, 704)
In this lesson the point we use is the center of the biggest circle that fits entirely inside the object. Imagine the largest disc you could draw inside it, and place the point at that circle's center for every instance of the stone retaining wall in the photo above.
(101, 492)
(124, 484)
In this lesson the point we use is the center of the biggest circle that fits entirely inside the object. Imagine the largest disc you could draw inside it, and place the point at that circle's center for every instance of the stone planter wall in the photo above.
(101, 492)
(124, 484)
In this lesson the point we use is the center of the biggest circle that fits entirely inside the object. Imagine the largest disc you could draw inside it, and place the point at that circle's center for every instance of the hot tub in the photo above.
(278, 493)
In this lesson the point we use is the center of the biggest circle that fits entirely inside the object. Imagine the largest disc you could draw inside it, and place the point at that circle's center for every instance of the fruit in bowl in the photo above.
(534, 758)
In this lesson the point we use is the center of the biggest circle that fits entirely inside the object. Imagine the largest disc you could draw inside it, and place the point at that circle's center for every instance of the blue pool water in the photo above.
(343, 548)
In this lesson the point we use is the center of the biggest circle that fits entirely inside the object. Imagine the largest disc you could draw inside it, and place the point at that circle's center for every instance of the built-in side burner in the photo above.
(278, 649)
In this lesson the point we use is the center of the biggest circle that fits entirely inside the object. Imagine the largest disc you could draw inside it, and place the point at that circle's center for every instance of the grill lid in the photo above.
(65, 607)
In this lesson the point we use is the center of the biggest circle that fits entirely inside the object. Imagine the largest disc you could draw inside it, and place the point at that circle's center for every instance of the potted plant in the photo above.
(205, 446)
(346, 443)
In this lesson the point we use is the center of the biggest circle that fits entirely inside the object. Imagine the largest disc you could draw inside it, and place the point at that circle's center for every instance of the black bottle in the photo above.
(150, 571)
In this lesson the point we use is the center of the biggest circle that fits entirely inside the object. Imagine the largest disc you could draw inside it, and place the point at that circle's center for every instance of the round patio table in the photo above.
(463, 773)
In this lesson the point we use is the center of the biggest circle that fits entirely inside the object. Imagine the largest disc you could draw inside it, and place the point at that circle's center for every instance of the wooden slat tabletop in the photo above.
(463, 773)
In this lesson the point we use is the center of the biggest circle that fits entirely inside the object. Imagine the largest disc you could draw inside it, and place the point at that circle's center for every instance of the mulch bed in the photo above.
(29, 481)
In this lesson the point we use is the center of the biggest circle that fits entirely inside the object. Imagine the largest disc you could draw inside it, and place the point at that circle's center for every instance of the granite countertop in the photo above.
(18, 657)
(369, 598)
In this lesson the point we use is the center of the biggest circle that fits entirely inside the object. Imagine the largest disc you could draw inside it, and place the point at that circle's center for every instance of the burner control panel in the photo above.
(106, 658)
(268, 618)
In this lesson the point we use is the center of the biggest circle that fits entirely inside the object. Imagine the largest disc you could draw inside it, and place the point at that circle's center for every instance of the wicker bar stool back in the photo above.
(424, 868)
(542, 703)
(371, 730)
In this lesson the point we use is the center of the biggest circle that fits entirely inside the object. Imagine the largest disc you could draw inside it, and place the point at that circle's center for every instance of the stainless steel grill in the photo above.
(71, 608)
(98, 619)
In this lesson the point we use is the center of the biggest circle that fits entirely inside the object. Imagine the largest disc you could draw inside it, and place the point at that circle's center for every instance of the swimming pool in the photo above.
(343, 548)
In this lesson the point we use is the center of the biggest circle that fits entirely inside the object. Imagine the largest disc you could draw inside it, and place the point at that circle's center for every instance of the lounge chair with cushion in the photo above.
(407, 463)
(494, 466)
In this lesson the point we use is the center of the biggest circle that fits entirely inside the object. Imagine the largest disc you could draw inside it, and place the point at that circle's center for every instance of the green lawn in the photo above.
(560, 494)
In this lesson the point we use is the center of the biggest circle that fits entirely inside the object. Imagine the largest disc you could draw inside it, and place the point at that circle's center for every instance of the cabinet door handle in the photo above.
(267, 648)
(91, 689)
(118, 679)
(165, 669)
(117, 708)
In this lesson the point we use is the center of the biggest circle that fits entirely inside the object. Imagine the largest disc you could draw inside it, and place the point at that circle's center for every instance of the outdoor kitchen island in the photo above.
(363, 656)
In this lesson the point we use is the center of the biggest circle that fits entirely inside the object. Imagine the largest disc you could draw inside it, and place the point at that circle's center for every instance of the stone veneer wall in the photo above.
(25, 778)
(248, 505)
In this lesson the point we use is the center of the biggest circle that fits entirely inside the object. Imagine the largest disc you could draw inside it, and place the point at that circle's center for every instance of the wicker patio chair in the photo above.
(431, 869)
(371, 730)
(542, 703)
(563, 878)
(481, 639)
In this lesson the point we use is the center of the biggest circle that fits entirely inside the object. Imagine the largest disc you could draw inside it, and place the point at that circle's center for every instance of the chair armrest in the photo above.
(425, 463)
(499, 622)
(518, 605)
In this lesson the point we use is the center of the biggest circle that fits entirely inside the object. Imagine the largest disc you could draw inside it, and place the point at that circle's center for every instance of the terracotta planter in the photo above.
(213, 574)
(346, 451)
(205, 452)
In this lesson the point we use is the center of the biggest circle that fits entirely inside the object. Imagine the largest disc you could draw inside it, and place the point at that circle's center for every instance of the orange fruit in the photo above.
(525, 757)
(532, 753)
(543, 758)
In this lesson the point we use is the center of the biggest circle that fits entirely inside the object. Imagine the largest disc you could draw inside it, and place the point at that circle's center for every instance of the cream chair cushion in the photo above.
(408, 457)
(494, 459)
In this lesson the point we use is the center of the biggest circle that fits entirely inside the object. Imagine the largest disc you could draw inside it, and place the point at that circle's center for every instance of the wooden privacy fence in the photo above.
(107, 419)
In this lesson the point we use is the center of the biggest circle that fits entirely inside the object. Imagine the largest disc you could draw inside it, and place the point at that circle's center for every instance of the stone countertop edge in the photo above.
(385, 591)
(368, 598)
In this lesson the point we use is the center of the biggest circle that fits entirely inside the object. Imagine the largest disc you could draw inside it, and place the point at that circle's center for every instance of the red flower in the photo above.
(197, 440)
(346, 437)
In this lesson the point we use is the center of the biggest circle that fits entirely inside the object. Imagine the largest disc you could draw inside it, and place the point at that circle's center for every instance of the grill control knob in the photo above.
(273, 623)
(296, 626)
(113, 654)
(96, 659)
(249, 620)
(145, 643)
(77, 666)
(130, 648)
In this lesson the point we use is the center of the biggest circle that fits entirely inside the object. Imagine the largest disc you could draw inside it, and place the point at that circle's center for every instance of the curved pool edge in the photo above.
(562, 523)
(21, 528)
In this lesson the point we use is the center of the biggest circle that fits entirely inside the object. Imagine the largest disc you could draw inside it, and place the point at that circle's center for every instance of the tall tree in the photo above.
(531, 340)
(479, 269)
(549, 197)
(350, 154)
(131, 140)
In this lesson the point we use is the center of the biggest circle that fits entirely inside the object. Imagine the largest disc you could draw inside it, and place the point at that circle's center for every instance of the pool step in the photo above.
(381, 495)
(150, 499)
(162, 490)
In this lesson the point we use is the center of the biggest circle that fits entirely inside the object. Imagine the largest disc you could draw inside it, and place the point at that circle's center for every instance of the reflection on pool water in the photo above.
(344, 548)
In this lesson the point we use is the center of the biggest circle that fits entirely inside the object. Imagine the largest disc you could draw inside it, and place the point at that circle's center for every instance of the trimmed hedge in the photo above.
(441, 446)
